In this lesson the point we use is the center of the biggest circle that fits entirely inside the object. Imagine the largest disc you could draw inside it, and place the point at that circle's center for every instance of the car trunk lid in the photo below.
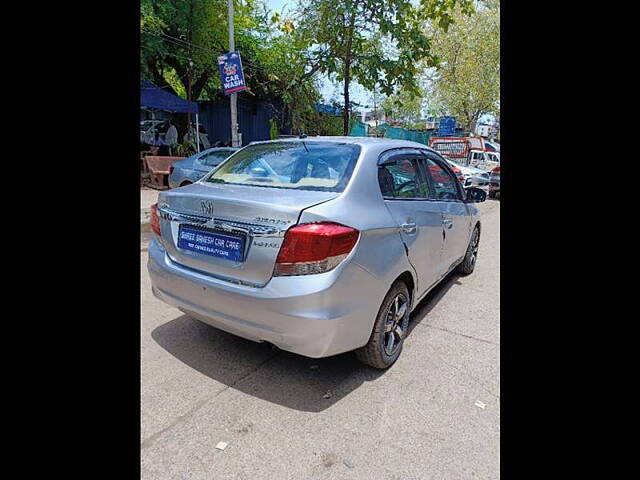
(256, 217)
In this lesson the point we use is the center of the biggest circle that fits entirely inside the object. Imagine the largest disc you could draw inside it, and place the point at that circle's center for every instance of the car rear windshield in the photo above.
(302, 165)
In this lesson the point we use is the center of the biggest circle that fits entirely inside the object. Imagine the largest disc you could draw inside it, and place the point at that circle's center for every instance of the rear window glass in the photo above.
(303, 165)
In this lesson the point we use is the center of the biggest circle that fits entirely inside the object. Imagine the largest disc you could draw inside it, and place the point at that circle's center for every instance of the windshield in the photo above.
(304, 165)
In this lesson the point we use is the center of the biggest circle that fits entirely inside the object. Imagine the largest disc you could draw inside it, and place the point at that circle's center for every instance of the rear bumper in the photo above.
(314, 315)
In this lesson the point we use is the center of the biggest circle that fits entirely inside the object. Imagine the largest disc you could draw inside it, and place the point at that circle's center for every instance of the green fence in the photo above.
(358, 129)
(404, 134)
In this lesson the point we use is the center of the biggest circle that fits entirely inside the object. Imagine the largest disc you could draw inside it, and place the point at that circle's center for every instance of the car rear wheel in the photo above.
(469, 263)
(387, 338)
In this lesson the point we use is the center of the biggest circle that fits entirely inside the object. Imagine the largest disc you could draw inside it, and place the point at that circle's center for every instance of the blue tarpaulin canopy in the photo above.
(154, 97)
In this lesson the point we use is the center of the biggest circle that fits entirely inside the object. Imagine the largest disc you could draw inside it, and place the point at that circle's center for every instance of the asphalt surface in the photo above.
(434, 415)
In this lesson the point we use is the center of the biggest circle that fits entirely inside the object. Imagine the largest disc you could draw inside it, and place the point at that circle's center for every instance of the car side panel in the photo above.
(457, 231)
(425, 242)
(380, 249)
(179, 175)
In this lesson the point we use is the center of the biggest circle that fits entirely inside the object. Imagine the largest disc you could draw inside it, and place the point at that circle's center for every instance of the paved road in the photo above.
(418, 420)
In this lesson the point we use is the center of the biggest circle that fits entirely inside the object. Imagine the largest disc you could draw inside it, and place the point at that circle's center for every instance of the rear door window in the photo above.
(399, 176)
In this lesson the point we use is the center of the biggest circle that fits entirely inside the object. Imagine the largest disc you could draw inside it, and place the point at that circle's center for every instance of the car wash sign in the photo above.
(231, 74)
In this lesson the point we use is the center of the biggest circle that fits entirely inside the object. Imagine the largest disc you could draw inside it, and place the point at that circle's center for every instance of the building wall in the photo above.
(483, 130)
(253, 120)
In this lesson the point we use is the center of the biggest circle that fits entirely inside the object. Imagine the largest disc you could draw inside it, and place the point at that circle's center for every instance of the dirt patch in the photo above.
(329, 459)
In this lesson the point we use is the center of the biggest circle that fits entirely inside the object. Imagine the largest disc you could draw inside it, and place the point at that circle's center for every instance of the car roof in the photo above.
(217, 149)
(362, 141)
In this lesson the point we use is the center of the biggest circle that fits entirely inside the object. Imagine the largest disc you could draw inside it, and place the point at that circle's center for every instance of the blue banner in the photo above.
(231, 75)
(447, 127)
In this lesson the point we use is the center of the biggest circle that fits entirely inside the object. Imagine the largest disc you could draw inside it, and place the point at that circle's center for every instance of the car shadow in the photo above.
(432, 298)
(283, 378)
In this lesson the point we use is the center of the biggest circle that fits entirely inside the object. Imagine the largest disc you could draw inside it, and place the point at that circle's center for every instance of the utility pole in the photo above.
(375, 110)
(234, 96)
(189, 92)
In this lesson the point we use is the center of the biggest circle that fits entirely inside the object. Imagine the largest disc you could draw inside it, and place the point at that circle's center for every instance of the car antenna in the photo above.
(302, 135)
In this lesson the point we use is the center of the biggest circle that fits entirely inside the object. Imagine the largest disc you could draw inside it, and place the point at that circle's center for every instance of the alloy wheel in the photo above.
(394, 322)
(474, 246)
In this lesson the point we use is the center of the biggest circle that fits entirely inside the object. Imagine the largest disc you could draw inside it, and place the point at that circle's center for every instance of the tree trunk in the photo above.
(345, 112)
(347, 74)
(198, 85)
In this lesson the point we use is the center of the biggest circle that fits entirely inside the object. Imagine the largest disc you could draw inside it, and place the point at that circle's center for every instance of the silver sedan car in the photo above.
(318, 245)
(193, 168)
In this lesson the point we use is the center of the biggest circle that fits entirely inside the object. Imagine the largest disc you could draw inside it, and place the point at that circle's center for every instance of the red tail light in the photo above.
(155, 219)
(496, 170)
(314, 248)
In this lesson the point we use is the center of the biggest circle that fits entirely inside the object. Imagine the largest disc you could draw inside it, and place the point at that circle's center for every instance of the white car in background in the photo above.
(472, 176)
(486, 161)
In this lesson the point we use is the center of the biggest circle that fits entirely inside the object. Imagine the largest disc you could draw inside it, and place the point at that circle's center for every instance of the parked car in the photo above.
(457, 171)
(494, 183)
(486, 161)
(318, 245)
(471, 176)
(190, 170)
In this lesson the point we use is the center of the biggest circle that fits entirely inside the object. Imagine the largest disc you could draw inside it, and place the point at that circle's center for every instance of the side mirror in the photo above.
(475, 195)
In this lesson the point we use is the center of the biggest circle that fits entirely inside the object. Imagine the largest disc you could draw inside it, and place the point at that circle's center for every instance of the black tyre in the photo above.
(492, 194)
(469, 263)
(385, 344)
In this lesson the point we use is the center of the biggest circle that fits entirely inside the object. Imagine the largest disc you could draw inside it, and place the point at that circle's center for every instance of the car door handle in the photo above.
(409, 228)
(447, 222)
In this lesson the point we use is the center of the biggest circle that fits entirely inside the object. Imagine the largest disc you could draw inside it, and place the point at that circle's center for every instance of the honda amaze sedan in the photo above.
(318, 245)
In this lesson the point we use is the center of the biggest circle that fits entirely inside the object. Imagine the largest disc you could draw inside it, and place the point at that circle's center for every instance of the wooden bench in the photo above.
(158, 168)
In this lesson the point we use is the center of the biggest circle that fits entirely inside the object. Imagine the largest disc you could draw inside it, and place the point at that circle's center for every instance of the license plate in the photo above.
(209, 242)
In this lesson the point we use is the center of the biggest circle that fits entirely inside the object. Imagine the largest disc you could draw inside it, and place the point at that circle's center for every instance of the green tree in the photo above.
(375, 42)
(404, 106)
(181, 39)
(467, 82)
